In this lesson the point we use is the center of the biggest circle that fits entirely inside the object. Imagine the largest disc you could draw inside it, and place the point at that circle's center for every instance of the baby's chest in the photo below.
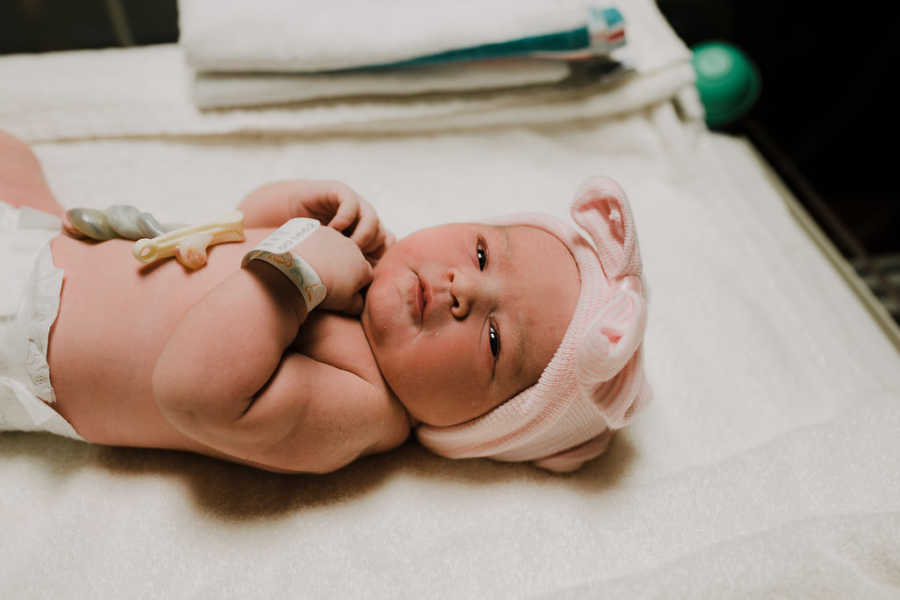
(339, 341)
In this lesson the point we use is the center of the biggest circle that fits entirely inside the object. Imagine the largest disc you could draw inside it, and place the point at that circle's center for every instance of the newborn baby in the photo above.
(516, 339)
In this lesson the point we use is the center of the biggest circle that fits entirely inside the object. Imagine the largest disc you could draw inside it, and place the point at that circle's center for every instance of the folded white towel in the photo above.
(310, 35)
(218, 90)
(224, 89)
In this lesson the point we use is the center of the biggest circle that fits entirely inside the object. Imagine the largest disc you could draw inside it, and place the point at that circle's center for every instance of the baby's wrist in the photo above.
(278, 250)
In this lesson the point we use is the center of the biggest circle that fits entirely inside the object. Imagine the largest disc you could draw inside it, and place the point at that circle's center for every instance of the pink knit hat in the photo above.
(595, 380)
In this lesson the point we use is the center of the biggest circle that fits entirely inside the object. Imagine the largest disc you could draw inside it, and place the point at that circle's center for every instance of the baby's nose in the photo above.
(464, 292)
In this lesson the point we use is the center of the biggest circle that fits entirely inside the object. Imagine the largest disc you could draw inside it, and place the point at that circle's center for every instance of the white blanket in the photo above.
(766, 466)
(767, 462)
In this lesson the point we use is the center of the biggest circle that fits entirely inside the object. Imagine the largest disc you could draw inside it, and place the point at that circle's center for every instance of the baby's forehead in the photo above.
(498, 226)
(533, 240)
(521, 241)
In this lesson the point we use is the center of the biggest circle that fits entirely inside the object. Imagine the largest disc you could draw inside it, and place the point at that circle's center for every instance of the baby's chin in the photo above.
(378, 313)
(365, 319)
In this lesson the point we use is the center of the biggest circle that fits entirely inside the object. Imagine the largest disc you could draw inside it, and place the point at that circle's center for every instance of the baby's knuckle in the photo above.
(339, 187)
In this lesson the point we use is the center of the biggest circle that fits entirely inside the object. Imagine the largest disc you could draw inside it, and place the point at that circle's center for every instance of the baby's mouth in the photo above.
(426, 292)
(420, 298)
(425, 296)
(415, 299)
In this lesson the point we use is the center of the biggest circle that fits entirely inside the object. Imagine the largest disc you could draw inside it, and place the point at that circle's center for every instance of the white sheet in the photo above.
(766, 466)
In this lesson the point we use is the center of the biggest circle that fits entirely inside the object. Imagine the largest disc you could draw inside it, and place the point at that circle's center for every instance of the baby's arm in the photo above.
(331, 202)
(223, 378)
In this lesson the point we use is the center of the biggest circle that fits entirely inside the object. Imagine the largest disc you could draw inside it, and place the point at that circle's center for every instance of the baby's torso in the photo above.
(114, 319)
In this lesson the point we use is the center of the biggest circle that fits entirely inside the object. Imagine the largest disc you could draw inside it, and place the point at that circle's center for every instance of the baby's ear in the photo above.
(602, 210)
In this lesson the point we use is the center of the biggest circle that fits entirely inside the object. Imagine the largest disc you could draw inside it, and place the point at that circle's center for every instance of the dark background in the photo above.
(825, 113)
(826, 103)
(45, 25)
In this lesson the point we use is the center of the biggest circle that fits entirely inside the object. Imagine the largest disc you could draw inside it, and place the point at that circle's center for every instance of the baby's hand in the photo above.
(341, 208)
(331, 202)
(341, 267)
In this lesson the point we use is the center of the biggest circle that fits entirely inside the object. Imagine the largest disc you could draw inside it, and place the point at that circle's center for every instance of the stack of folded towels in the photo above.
(261, 52)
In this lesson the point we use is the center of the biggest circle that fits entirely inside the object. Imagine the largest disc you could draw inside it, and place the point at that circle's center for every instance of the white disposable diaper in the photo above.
(29, 303)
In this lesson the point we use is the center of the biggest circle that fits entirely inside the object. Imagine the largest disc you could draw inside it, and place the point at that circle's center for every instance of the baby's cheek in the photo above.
(443, 355)
(376, 318)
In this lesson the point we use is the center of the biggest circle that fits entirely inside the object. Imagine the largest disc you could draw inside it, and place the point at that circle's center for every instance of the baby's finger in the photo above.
(374, 241)
(387, 240)
(367, 227)
(374, 256)
(347, 212)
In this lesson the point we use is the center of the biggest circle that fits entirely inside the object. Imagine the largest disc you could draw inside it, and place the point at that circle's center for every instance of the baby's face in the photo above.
(462, 317)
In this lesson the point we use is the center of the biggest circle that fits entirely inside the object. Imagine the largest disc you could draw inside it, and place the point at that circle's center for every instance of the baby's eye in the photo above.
(482, 256)
(494, 338)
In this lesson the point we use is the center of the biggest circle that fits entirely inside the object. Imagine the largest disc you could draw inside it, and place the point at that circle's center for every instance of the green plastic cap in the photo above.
(728, 81)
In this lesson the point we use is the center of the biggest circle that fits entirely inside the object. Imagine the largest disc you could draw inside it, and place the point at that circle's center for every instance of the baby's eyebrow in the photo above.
(518, 330)
(519, 355)
(506, 239)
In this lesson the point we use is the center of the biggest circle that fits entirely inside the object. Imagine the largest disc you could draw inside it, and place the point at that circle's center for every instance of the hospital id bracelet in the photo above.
(276, 250)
